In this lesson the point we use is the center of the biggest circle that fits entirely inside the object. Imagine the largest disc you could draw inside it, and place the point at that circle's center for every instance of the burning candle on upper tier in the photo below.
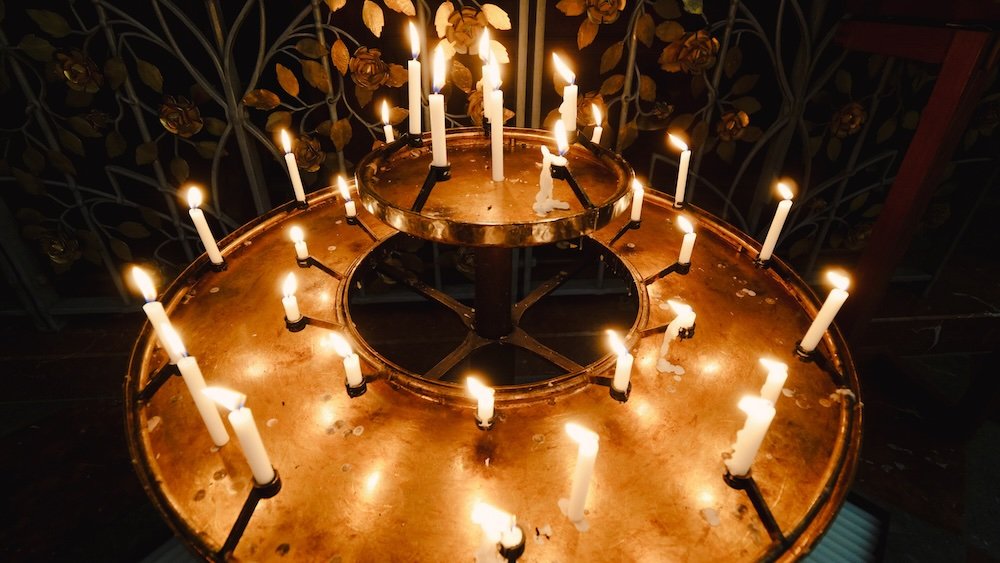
(637, 195)
(386, 126)
(488, 85)
(496, 131)
(293, 168)
(824, 318)
(687, 245)
(345, 192)
(780, 215)
(201, 225)
(598, 120)
(568, 107)
(241, 419)
(413, 81)
(682, 169)
(439, 149)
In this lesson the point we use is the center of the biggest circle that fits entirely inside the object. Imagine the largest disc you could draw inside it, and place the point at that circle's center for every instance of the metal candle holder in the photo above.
(296, 326)
(434, 175)
(257, 493)
(513, 553)
(620, 396)
(631, 225)
(747, 484)
(359, 390)
(563, 173)
(220, 267)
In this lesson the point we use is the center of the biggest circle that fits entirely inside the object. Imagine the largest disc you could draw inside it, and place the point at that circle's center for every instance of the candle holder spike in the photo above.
(357, 222)
(303, 262)
(804, 356)
(157, 380)
(748, 485)
(357, 391)
(620, 396)
(563, 173)
(311, 262)
(296, 326)
(257, 493)
(221, 266)
(762, 264)
(588, 144)
(434, 175)
(414, 141)
(301, 204)
(676, 267)
(513, 553)
(631, 225)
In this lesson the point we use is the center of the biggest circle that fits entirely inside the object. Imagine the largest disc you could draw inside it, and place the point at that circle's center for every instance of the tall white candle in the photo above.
(682, 169)
(779, 221)
(827, 312)
(687, 245)
(777, 373)
(498, 526)
(623, 366)
(684, 318)
(413, 80)
(487, 81)
(485, 398)
(637, 195)
(584, 470)
(293, 168)
(496, 131)
(201, 225)
(345, 192)
(289, 302)
(352, 363)
(153, 308)
(568, 108)
(386, 126)
(195, 381)
(174, 348)
(439, 149)
(299, 239)
(241, 419)
(598, 129)
(760, 413)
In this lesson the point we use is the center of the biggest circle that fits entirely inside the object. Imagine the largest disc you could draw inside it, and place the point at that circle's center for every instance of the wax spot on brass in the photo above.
(220, 474)
(199, 495)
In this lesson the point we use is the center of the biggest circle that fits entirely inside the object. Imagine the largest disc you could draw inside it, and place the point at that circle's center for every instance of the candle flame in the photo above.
(561, 142)
(340, 345)
(677, 142)
(773, 365)
(291, 284)
(756, 406)
(616, 343)
(484, 45)
(226, 398)
(492, 520)
(438, 69)
(171, 340)
(838, 279)
(785, 191)
(286, 141)
(144, 283)
(385, 112)
(414, 41)
(637, 185)
(194, 197)
(598, 117)
(563, 70)
(493, 67)
(345, 191)
(477, 389)
(296, 234)
(582, 435)
(685, 224)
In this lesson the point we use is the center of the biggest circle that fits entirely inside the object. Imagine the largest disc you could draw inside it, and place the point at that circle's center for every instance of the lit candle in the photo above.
(195, 381)
(682, 169)
(289, 302)
(562, 143)
(170, 346)
(623, 367)
(598, 119)
(568, 107)
(687, 245)
(544, 196)
(413, 76)
(241, 419)
(299, 239)
(584, 470)
(153, 308)
(637, 193)
(684, 318)
(484, 399)
(779, 221)
(826, 313)
(498, 526)
(345, 192)
(386, 126)
(293, 168)
(760, 412)
(496, 131)
(777, 373)
(439, 149)
(488, 84)
(352, 363)
(198, 217)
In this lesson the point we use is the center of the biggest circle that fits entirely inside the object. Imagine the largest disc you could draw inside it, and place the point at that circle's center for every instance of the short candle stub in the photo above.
(686, 332)
(355, 392)
(268, 490)
(738, 482)
(621, 396)
(761, 264)
(513, 553)
(297, 325)
(804, 355)
(485, 424)
(220, 267)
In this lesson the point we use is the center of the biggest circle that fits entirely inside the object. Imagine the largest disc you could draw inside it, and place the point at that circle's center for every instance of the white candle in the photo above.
(623, 367)
(413, 78)
(174, 348)
(485, 398)
(352, 363)
(439, 148)
(198, 217)
(195, 381)
(826, 313)
(687, 245)
(498, 526)
(386, 126)
(487, 82)
(289, 302)
(153, 308)
(598, 130)
(584, 470)
(496, 131)
(293, 168)
(568, 108)
(779, 221)
(684, 318)
(299, 239)
(777, 373)
(345, 192)
(241, 419)
(760, 412)
(637, 193)
(682, 169)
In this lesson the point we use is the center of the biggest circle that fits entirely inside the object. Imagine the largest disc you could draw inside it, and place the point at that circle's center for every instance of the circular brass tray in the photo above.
(393, 474)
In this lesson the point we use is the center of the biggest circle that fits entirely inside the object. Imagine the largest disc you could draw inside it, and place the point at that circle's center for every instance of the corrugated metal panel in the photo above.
(853, 536)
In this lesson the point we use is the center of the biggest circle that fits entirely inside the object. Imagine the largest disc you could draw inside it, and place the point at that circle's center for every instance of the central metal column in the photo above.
(493, 292)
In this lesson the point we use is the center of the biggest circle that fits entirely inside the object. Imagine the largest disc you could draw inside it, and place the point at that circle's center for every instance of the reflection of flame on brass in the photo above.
(372, 481)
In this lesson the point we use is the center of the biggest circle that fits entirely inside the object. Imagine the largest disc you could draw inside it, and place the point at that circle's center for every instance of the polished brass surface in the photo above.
(393, 475)
(471, 209)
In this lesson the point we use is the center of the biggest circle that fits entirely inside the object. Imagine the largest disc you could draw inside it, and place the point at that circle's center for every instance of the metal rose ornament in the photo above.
(180, 116)
(694, 53)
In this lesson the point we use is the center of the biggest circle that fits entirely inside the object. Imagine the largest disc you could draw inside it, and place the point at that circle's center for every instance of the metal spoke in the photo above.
(464, 313)
(471, 343)
(523, 340)
(546, 288)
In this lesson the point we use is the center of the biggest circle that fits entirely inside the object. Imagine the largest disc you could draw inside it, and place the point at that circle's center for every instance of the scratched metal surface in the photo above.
(393, 475)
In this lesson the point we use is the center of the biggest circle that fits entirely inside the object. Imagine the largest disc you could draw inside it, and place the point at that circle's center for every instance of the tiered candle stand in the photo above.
(395, 472)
